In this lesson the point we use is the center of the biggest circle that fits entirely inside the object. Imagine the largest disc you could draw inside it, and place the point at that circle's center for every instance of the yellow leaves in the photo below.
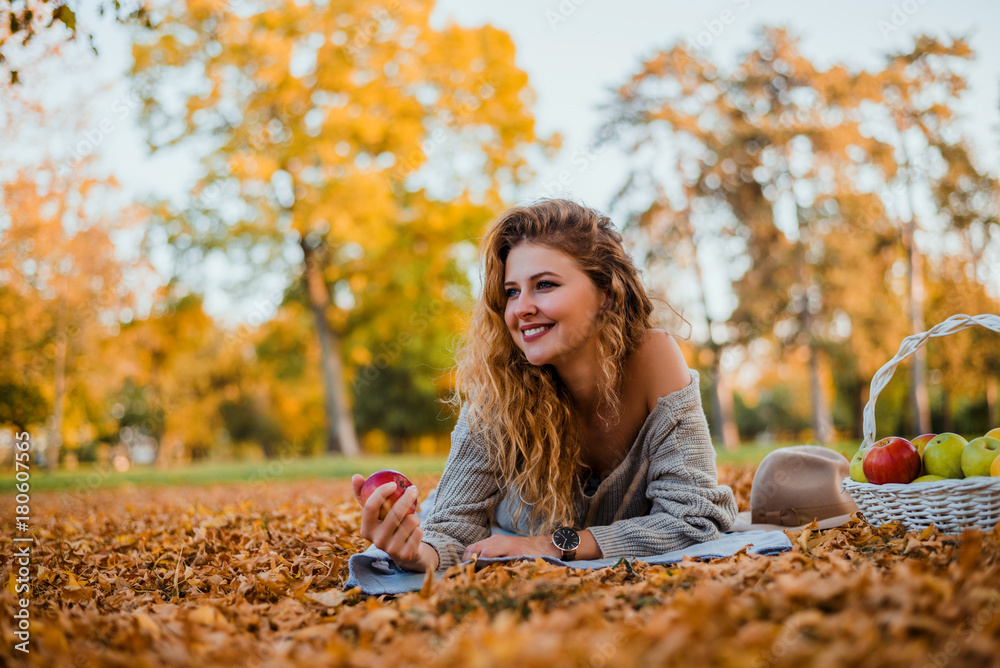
(332, 598)
(361, 355)
(11, 587)
(146, 624)
(968, 556)
(428, 587)
(206, 615)
(71, 582)
(203, 9)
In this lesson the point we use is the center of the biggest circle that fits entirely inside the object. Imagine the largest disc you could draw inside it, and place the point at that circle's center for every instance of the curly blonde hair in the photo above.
(523, 414)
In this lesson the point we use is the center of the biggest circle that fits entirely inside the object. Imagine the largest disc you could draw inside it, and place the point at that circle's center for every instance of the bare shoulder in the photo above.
(660, 366)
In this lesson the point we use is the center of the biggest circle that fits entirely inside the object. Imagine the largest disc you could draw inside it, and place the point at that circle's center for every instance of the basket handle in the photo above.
(910, 345)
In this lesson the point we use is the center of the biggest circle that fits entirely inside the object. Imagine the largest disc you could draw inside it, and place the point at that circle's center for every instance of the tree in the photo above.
(758, 172)
(918, 90)
(22, 377)
(192, 384)
(338, 130)
(59, 256)
(678, 204)
(399, 405)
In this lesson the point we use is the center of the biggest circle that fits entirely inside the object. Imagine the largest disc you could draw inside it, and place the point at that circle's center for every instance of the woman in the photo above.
(581, 425)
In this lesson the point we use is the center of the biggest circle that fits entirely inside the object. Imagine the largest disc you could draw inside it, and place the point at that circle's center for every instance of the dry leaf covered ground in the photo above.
(252, 575)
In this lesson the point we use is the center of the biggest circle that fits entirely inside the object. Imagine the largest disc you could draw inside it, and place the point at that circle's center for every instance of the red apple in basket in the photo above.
(892, 459)
(379, 478)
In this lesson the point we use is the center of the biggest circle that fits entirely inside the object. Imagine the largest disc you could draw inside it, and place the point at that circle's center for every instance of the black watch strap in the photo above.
(567, 540)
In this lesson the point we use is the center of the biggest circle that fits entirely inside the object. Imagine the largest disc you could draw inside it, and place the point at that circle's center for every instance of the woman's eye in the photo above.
(541, 284)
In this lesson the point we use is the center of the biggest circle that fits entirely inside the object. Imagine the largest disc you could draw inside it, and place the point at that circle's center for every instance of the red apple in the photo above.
(892, 459)
(379, 478)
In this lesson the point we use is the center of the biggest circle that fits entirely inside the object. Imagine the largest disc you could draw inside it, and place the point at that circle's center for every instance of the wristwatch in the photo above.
(566, 540)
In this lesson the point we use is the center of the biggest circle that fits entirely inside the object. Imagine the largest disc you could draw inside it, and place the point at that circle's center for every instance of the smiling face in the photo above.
(552, 305)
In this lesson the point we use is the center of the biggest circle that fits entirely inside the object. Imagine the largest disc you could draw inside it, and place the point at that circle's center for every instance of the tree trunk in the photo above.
(945, 410)
(992, 385)
(724, 425)
(860, 398)
(821, 422)
(919, 402)
(59, 401)
(340, 433)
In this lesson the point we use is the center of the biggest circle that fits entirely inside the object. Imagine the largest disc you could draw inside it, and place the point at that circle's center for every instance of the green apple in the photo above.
(978, 456)
(930, 478)
(943, 455)
(857, 471)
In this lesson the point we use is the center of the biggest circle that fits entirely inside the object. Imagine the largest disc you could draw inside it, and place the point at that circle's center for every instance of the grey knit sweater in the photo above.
(674, 501)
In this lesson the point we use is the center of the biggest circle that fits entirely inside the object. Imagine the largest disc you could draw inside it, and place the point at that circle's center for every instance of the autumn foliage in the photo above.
(253, 575)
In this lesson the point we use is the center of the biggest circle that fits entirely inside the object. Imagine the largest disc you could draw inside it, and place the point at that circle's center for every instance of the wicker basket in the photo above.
(950, 505)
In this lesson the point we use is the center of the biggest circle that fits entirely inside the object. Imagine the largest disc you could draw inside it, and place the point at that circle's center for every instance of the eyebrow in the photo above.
(541, 273)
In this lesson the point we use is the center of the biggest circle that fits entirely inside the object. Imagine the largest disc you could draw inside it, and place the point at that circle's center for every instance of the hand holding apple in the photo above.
(891, 460)
(379, 478)
(396, 531)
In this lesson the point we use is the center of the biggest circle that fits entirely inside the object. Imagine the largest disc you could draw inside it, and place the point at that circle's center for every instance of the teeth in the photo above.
(532, 332)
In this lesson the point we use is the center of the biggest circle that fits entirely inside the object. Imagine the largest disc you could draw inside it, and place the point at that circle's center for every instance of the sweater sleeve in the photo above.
(681, 483)
(466, 496)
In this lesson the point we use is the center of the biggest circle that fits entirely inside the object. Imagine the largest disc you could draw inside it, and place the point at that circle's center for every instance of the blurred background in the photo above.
(247, 232)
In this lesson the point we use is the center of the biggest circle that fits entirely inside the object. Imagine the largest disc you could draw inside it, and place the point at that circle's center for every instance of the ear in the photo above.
(607, 300)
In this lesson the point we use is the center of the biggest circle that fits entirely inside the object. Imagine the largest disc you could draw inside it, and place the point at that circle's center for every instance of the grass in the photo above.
(89, 477)
(209, 473)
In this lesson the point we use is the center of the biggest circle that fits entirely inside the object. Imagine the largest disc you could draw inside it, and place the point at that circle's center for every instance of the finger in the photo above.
(370, 514)
(401, 507)
(400, 539)
(357, 482)
(386, 526)
(410, 548)
(413, 542)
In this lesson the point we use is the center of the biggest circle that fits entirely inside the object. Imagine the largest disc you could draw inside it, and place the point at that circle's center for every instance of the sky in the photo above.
(575, 52)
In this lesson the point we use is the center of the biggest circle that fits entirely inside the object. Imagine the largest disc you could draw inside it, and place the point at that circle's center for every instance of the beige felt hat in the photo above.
(795, 485)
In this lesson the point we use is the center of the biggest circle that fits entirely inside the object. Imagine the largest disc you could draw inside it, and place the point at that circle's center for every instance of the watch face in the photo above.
(566, 539)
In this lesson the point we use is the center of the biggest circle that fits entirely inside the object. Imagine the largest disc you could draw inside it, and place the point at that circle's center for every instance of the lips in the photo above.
(533, 333)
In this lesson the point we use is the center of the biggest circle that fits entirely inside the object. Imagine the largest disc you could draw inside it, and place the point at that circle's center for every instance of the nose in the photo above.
(525, 306)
